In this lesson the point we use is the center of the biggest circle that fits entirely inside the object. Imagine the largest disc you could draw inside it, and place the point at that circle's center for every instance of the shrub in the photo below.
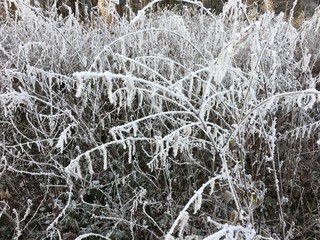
(188, 125)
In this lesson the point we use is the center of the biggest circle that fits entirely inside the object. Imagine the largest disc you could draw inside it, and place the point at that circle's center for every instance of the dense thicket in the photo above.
(173, 124)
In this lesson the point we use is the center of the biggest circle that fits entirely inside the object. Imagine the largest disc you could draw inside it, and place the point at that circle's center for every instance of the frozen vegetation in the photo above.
(169, 124)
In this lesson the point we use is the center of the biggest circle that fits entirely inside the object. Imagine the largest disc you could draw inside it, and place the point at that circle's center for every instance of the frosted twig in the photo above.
(191, 201)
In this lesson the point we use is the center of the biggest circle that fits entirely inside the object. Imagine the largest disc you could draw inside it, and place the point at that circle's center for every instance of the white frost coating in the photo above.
(91, 75)
(191, 200)
(110, 94)
(169, 238)
(299, 100)
(141, 13)
(219, 69)
(9, 101)
(105, 158)
(306, 101)
(87, 235)
(188, 131)
(230, 231)
(64, 137)
(203, 109)
(73, 169)
(176, 143)
(130, 152)
(140, 97)
(81, 76)
(130, 91)
(184, 222)
(120, 97)
(123, 50)
(197, 203)
(159, 144)
(135, 129)
(212, 186)
(311, 101)
(171, 66)
(4, 164)
(88, 158)
(79, 87)
(27, 212)
(305, 62)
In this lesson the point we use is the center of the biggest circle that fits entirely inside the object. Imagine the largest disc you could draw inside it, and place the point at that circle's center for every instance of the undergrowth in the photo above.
(173, 124)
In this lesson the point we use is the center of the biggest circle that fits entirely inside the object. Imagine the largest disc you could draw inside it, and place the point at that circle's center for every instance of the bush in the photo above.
(188, 125)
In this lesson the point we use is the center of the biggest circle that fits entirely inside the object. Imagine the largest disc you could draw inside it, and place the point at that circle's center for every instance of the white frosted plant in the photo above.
(166, 126)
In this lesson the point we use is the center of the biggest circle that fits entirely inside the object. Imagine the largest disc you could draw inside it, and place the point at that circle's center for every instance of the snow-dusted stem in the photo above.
(52, 227)
(192, 200)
